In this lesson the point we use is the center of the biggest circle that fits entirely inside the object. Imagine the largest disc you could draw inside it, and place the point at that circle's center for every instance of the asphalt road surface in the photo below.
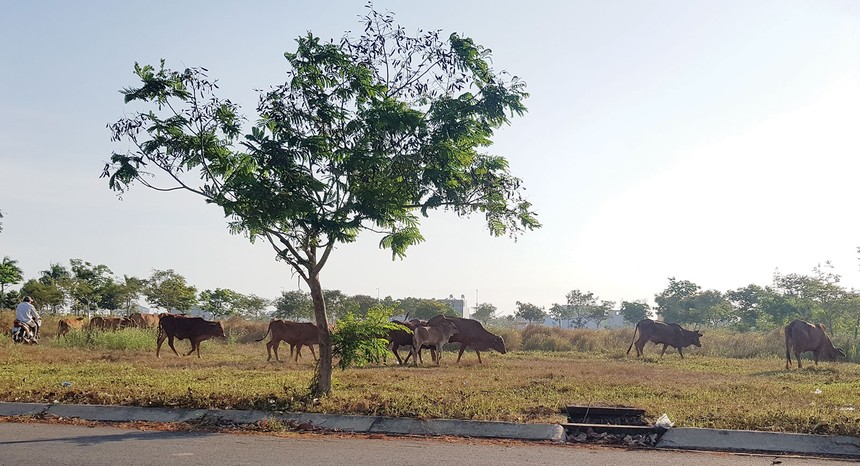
(59, 444)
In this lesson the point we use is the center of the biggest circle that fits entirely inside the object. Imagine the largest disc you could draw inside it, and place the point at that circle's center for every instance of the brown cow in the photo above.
(666, 334)
(65, 325)
(471, 334)
(107, 323)
(802, 336)
(195, 329)
(436, 335)
(141, 320)
(296, 334)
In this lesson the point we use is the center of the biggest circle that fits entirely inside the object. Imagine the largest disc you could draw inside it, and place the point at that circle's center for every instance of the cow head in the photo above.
(835, 353)
(499, 344)
(219, 330)
(693, 338)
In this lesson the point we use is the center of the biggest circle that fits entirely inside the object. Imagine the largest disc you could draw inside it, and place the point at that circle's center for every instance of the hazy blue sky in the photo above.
(711, 141)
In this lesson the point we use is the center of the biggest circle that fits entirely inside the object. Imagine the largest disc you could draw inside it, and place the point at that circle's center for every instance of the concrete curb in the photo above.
(689, 438)
(357, 424)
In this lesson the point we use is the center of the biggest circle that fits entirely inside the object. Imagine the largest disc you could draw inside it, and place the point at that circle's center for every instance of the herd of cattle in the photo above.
(432, 334)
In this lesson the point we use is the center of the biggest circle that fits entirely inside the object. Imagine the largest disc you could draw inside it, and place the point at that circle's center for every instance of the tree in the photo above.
(364, 135)
(560, 312)
(60, 278)
(421, 308)
(47, 296)
(600, 312)
(10, 273)
(168, 290)
(530, 312)
(221, 302)
(579, 306)
(672, 304)
(88, 283)
(634, 311)
(747, 304)
(294, 305)
(250, 305)
(484, 313)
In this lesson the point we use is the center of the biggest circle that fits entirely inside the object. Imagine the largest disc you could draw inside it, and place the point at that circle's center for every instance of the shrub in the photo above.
(359, 341)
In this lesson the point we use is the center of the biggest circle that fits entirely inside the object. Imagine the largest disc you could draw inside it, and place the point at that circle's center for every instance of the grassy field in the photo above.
(708, 389)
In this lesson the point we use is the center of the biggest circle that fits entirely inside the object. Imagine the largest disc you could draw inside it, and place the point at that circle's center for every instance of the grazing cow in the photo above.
(666, 334)
(436, 336)
(803, 336)
(140, 320)
(195, 329)
(65, 325)
(297, 334)
(471, 334)
(107, 323)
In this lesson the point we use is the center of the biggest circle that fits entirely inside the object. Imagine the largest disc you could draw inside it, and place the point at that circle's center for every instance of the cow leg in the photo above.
(396, 355)
(640, 347)
(194, 345)
(161, 338)
(269, 350)
(664, 350)
(479, 357)
(313, 353)
(298, 351)
(815, 356)
(275, 345)
(681, 352)
(170, 344)
(797, 356)
(460, 355)
(438, 354)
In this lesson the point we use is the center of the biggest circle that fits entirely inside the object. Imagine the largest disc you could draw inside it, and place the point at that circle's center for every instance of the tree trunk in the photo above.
(322, 384)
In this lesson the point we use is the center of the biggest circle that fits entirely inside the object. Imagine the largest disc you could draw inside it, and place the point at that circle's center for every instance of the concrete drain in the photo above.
(610, 426)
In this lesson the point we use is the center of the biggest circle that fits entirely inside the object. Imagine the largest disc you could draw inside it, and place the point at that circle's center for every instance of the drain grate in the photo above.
(588, 423)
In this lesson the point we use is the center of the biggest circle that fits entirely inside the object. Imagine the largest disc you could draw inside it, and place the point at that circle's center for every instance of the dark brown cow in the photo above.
(296, 334)
(141, 320)
(661, 333)
(402, 337)
(65, 325)
(471, 334)
(802, 336)
(195, 329)
(436, 335)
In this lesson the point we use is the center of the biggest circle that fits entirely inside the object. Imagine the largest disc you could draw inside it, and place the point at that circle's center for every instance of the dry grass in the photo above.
(708, 389)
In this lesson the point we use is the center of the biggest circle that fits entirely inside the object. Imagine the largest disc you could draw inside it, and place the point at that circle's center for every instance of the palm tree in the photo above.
(10, 273)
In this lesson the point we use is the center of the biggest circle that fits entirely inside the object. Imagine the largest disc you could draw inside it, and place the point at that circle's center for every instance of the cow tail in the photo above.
(634, 338)
(160, 332)
(267, 332)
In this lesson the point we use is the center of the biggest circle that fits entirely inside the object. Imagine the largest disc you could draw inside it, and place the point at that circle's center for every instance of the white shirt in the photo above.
(25, 312)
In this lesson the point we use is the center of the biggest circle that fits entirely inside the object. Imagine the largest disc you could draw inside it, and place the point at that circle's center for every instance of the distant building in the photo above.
(615, 320)
(459, 305)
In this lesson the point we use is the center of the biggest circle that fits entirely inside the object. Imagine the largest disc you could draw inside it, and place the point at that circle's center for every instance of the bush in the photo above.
(513, 337)
(239, 330)
(360, 341)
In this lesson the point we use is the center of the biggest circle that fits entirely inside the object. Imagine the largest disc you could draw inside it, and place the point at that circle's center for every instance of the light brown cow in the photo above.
(107, 323)
(65, 325)
(141, 320)
(435, 336)
(296, 334)
(802, 336)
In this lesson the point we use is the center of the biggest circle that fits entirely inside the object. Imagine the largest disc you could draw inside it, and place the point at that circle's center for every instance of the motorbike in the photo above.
(21, 333)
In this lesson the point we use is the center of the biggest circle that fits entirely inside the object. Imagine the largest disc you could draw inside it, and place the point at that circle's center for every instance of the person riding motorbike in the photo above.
(25, 314)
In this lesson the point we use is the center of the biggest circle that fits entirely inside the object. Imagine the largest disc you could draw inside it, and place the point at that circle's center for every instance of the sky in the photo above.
(715, 142)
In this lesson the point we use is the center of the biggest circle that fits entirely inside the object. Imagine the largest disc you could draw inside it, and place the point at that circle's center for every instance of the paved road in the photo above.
(40, 443)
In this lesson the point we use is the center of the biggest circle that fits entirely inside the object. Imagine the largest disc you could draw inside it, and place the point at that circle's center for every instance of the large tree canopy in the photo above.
(365, 134)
